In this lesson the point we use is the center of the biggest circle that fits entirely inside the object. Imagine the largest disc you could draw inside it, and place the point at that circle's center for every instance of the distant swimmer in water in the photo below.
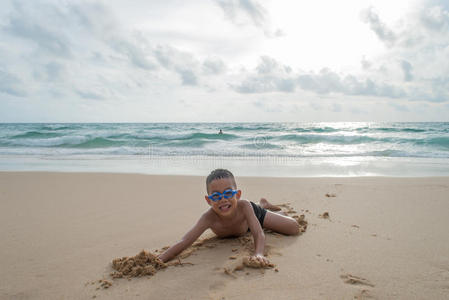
(220, 132)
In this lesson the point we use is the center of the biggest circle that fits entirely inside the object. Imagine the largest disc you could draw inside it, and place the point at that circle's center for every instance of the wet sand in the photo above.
(367, 238)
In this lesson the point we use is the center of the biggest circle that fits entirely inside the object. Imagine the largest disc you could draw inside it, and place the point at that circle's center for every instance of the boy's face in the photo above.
(223, 207)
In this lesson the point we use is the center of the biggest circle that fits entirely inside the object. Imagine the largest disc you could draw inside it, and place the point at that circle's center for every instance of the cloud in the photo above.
(269, 76)
(11, 84)
(336, 107)
(44, 38)
(264, 85)
(399, 107)
(102, 26)
(79, 44)
(435, 18)
(54, 70)
(323, 83)
(188, 77)
(183, 63)
(136, 55)
(272, 76)
(415, 60)
(421, 27)
(51, 72)
(232, 9)
(240, 12)
(214, 66)
(269, 65)
(413, 67)
(326, 82)
(365, 64)
(90, 95)
(382, 31)
(254, 10)
(407, 68)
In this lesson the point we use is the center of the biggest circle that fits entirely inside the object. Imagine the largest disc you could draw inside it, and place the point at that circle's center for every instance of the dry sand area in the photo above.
(367, 238)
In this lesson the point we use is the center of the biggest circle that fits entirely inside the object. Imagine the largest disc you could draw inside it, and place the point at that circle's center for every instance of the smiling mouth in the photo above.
(224, 207)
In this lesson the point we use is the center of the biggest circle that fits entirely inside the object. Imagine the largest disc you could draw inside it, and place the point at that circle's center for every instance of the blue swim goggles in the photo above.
(226, 194)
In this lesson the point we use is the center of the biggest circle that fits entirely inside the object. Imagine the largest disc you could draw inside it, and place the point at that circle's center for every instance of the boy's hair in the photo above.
(219, 174)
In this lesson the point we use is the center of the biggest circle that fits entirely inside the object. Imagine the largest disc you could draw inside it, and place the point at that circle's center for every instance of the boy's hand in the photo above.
(260, 259)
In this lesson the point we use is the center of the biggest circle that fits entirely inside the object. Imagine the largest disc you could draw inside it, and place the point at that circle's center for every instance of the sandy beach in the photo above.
(385, 238)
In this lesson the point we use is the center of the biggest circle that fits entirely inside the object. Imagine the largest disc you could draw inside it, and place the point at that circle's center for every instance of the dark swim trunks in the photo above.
(259, 212)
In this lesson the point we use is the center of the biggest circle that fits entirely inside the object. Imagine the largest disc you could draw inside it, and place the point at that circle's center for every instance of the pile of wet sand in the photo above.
(142, 264)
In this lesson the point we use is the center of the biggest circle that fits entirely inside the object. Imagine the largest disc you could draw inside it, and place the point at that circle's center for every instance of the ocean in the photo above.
(250, 149)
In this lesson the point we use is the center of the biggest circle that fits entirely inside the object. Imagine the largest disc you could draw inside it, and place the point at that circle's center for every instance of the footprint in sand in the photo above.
(363, 294)
(324, 215)
(355, 280)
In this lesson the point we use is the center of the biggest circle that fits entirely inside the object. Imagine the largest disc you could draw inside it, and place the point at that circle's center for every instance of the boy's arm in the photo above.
(257, 232)
(187, 240)
(256, 229)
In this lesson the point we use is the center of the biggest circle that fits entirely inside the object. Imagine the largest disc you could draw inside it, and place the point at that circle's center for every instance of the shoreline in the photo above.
(203, 176)
(385, 237)
(246, 166)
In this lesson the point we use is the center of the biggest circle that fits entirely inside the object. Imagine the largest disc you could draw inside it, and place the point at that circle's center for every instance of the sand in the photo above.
(367, 238)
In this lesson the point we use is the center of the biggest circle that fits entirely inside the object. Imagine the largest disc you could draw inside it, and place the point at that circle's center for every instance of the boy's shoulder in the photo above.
(243, 203)
(209, 214)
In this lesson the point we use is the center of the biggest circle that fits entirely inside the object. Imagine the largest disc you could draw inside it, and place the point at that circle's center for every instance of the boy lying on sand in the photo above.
(229, 216)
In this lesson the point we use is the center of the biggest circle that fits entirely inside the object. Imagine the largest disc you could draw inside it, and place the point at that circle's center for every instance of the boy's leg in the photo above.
(280, 223)
(267, 205)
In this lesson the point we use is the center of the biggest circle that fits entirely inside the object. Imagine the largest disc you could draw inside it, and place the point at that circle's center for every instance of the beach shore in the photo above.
(385, 238)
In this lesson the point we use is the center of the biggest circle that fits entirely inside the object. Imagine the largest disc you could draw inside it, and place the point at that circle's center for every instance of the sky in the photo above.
(224, 61)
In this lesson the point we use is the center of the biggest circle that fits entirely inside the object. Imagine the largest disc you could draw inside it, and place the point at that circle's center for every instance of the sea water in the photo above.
(249, 149)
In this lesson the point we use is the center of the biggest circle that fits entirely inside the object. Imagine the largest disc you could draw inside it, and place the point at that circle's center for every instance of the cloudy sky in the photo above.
(224, 60)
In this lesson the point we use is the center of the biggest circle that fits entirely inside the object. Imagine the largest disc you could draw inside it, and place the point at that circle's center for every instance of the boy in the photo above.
(230, 216)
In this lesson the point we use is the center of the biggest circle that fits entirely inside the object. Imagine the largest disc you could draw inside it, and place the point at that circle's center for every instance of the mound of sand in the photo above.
(301, 222)
(144, 263)
(251, 263)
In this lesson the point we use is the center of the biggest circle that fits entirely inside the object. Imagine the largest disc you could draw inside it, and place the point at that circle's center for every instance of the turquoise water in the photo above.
(283, 145)
(429, 140)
